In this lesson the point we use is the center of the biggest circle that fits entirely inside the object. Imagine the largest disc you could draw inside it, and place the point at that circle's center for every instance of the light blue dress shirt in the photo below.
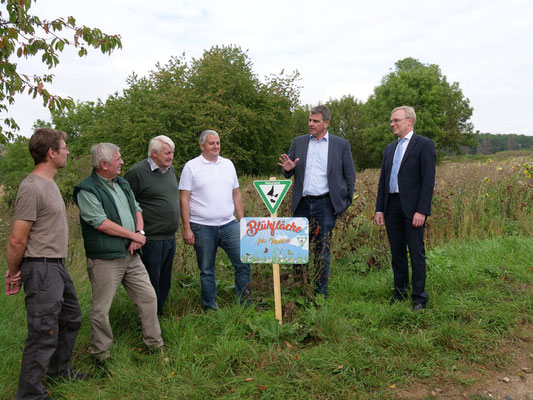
(154, 166)
(407, 139)
(316, 167)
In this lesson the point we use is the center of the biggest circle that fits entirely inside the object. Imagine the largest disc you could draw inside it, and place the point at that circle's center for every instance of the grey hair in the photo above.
(204, 134)
(157, 144)
(103, 152)
(322, 109)
(409, 112)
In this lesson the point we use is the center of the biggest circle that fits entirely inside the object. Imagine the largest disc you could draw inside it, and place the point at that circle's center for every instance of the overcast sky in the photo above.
(339, 47)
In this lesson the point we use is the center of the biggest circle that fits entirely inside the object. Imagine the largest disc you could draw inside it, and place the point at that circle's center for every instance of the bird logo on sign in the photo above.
(272, 195)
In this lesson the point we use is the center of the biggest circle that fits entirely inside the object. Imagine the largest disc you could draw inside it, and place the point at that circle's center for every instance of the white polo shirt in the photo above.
(211, 185)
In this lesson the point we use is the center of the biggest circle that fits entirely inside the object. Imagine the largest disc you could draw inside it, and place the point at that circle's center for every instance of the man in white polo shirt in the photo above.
(209, 198)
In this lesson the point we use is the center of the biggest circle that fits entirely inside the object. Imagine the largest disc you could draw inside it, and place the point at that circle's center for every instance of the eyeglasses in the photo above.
(64, 148)
(396, 120)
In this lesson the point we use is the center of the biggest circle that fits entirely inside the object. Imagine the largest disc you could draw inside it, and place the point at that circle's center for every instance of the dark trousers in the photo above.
(54, 320)
(322, 217)
(402, 235)
(157, 257)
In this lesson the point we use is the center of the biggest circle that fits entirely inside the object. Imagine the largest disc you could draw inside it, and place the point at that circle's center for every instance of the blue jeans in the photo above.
(206, 241)
(158, 256)
(322, 217)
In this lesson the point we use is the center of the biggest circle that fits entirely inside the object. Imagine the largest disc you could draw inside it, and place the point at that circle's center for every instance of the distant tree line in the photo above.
(488, 143)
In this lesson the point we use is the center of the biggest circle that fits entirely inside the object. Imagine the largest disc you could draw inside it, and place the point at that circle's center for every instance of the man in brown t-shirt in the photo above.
(36, 255)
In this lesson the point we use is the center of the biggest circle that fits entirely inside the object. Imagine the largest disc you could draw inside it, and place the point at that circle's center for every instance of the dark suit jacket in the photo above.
(416, 177)
(341, 171)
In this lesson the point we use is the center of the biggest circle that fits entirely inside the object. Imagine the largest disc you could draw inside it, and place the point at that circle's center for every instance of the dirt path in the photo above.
(509, 382)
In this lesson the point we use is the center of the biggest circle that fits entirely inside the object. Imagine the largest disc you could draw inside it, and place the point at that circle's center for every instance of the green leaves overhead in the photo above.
(23, 35)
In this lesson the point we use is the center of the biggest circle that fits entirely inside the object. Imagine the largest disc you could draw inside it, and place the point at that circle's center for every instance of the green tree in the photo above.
(179, 99)
(77, 122)
(512, 143)
(489, 143)
(252, 117)
(14, 166)
(443, 112)
(148, 107)
(347, 120)
(484, 146)
(23, 35)
(300, 120)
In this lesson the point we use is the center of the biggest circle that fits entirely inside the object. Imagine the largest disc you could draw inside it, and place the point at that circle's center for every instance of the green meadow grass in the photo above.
(352, 345)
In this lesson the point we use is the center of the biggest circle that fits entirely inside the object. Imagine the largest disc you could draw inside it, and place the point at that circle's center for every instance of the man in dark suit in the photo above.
(403, 202)
(324, 181)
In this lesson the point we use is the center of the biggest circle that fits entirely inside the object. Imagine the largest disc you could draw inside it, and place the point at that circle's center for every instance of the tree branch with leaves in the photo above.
(23, 35)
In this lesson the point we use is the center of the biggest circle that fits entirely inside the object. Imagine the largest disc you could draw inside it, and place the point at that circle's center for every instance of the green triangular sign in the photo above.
(272, 193)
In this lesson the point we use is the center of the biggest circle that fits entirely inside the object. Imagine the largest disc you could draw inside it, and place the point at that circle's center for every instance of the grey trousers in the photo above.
(106, 277)
(54, 320)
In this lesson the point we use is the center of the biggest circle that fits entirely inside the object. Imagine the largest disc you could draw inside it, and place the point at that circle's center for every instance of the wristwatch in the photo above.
(141, 232)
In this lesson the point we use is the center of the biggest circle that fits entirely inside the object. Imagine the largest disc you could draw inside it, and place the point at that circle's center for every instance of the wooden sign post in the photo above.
(276, 283)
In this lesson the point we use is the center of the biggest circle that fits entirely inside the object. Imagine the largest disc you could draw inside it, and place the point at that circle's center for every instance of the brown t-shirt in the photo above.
(39, 200)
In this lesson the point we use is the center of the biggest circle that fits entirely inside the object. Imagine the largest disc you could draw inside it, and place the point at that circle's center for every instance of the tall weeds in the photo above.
(472, 199)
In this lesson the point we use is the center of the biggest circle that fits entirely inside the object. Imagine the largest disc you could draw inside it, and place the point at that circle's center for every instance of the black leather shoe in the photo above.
(394, 300)
(101, 362)
(70, 375)
(418, 306)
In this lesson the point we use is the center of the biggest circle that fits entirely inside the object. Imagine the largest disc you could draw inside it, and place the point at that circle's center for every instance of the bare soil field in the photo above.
(513, 381)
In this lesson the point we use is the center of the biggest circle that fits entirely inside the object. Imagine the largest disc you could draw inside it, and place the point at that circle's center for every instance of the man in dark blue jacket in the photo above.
(403, 202)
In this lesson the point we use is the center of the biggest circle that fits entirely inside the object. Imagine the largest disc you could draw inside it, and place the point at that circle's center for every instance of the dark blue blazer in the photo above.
(341, 171)
(416, 177)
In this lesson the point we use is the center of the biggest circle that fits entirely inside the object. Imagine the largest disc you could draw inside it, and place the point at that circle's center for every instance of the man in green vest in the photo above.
(112, 228)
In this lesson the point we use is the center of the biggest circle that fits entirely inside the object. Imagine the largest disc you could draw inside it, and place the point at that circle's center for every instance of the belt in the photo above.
(44, 260)
(322, 196)
(394, 194)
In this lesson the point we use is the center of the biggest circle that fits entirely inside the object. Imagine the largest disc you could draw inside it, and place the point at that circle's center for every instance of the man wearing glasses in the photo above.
(36, 254)
(403, 202)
